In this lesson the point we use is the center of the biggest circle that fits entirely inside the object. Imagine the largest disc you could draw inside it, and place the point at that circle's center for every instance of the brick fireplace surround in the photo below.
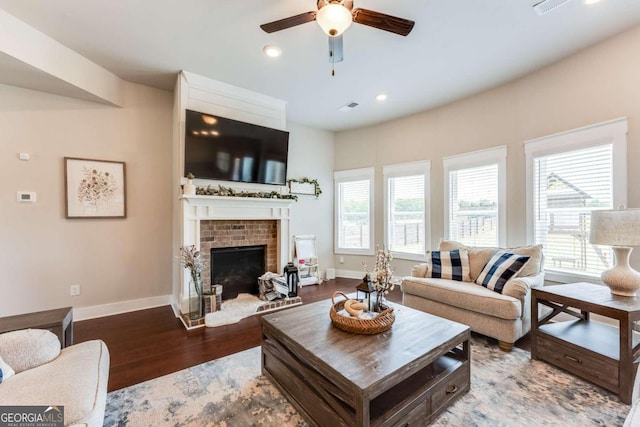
(234, 233)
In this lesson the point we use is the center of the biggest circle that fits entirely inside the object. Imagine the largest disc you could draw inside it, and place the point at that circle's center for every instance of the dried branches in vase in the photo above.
(382, 277)
(190, 258)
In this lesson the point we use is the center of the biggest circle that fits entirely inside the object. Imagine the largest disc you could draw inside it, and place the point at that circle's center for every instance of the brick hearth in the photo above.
(235, 233)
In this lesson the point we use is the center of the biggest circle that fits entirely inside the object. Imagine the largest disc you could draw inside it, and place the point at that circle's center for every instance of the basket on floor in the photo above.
(380, 323)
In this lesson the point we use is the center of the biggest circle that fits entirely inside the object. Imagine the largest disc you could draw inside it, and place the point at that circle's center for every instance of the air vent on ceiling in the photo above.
(546, 6)
(350, 106)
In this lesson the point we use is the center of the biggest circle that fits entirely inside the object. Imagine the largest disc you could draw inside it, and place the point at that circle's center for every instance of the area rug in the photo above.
(507, 389)
(245, 305)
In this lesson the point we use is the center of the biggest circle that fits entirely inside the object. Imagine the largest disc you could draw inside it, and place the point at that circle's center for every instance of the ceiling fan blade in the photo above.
(292, 21)
(335, 49)
(383, 22)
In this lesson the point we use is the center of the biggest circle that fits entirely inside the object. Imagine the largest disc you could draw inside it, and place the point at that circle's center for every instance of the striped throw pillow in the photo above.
(452, 265)
(501, 267)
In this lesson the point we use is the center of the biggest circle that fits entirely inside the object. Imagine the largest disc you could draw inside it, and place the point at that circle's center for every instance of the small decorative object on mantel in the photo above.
(230, 192)
(305, 186)
(382, 277)
(348, 315)
(189, 188)
(190, 258)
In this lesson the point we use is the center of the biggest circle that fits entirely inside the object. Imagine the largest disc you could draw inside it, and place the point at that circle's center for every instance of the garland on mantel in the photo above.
(230, 192)
(305, 180)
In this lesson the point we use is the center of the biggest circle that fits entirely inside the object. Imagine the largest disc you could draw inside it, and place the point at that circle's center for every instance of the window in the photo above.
(475, 197)
(406, 201)
(568, 176)
(354, 211)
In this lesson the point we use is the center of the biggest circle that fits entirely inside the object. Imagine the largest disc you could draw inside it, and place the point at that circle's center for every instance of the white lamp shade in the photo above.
(616, 227)
(334, 19)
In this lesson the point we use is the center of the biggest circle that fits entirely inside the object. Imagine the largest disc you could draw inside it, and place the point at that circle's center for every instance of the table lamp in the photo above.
(620, 229)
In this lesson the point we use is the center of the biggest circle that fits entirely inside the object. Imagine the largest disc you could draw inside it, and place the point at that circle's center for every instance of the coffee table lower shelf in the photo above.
(326, 399)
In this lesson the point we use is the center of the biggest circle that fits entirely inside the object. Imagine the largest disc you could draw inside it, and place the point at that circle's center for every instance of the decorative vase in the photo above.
(189, 188)
(380, 305)
(195, 296)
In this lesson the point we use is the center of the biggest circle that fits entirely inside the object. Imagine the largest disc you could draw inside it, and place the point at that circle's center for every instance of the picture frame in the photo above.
(302, 188)
(94, 188)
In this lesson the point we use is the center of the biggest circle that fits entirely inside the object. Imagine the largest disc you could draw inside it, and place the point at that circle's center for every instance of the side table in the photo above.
(600, 353)
(59, 321)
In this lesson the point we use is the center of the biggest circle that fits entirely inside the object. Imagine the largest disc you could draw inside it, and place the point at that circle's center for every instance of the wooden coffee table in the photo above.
(407, 375)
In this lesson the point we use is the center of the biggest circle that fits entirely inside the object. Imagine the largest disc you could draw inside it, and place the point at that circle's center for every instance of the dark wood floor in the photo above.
(150, 343)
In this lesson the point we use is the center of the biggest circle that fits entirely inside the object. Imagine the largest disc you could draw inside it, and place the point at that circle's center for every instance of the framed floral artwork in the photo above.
(94, 188)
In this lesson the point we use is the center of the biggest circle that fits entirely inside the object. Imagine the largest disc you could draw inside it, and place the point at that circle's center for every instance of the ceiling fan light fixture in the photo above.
(334, 19)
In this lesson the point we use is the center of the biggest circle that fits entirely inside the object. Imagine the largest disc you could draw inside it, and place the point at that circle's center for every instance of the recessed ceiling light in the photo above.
(381, 96)
(214, 133)
(272, 51)
(590, 2)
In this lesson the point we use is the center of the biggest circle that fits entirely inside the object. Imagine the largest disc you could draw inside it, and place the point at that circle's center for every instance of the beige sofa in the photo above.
(74, 377)
(505, 317)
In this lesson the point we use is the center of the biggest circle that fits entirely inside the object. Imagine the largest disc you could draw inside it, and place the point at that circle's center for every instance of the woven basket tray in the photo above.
(381, 323)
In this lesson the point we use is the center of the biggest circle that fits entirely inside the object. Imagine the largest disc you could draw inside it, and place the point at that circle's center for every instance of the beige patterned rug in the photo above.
(507, 389)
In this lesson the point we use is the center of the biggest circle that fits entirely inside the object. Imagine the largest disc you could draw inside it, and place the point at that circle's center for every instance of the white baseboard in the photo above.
(91, 312)
(350, 274)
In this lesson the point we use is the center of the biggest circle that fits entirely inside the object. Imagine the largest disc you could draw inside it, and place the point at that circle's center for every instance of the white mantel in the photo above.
(203, 208)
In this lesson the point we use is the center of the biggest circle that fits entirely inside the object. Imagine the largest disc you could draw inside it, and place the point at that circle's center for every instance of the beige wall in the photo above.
(41, 252)
(311, 156)
(595, 85)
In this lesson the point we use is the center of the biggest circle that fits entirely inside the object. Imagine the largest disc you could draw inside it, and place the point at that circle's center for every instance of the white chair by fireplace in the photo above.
(306, 259)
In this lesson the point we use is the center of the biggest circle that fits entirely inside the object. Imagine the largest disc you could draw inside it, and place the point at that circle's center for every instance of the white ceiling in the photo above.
(457, 48)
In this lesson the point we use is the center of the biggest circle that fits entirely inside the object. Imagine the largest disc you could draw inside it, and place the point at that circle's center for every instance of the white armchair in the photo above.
(75, 377)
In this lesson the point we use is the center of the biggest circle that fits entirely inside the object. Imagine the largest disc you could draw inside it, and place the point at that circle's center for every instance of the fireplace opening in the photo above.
(237, 269)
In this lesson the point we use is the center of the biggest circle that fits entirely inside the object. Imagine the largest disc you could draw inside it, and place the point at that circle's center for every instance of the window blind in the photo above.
(473, 205)
(567, 187)
(354, 222)
(406, 218)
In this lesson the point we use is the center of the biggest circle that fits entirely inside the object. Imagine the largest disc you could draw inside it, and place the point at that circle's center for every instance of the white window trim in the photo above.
(346, 176)
(475, 159)
(609, 132)
(408, 169)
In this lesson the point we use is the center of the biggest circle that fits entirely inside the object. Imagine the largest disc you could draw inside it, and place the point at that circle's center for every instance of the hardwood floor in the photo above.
(150, 343)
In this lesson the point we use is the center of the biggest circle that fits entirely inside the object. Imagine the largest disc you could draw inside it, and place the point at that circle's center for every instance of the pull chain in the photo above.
(333, 63)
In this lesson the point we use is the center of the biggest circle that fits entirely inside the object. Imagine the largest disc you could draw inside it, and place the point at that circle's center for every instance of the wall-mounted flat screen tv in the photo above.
(229, 150)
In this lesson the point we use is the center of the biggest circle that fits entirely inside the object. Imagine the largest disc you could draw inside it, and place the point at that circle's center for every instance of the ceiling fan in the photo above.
(335, 16)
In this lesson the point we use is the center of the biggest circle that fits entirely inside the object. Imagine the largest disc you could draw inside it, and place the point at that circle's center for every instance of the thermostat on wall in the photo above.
(26, 196)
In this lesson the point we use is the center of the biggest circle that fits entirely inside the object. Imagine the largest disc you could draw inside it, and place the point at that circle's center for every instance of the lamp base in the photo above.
(622, 279)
